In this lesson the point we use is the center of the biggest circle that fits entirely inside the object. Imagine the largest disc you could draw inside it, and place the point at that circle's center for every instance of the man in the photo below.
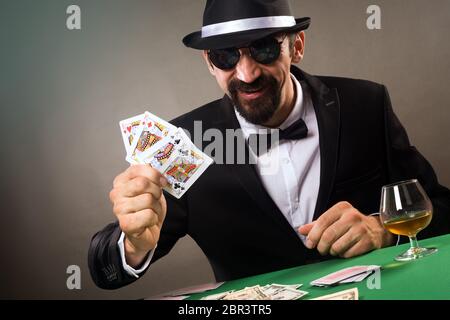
(339, 143)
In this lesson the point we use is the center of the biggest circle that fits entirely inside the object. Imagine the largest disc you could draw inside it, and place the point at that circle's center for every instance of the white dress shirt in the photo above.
(289, 171)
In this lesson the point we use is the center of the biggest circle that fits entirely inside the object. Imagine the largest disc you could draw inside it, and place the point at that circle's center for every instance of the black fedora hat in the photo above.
(232, 23)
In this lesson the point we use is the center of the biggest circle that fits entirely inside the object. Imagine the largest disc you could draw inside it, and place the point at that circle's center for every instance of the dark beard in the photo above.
(260, 110)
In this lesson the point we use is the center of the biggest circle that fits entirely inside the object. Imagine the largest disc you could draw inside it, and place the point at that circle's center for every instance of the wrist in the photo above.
(133, 256)
(386, 238)
(389, 239)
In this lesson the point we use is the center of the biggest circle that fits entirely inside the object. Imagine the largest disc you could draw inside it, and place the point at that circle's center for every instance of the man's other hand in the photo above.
(345, 232)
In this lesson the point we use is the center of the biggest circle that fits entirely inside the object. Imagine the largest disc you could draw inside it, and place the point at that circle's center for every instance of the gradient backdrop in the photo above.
(62, 94)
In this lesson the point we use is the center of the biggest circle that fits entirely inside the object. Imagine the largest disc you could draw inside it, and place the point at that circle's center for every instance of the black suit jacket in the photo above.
(233, 219)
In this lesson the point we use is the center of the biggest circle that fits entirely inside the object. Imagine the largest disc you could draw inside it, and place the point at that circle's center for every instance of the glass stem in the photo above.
(413, 242)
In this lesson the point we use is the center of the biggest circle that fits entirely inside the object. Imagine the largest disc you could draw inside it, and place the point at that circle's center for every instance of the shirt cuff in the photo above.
(398, 237)
(128, 269)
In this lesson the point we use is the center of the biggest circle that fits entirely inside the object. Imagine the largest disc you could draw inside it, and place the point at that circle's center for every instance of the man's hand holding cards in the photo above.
(151, 140)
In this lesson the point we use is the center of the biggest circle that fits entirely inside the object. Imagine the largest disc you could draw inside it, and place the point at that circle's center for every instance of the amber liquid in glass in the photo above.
(409, 225)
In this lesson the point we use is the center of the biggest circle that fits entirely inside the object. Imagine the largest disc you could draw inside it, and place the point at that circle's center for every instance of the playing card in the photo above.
(151, 130)
(128, 129)
(151, 140)
(185, 166)
(159, 154)
(344, 274)
(357, 278)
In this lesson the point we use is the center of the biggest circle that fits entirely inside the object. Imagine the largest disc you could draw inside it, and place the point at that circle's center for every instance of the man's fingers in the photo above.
(141, 185)
(142, 170)
(324, 221)
(360, 247)
(138, 203)
(344, 243)
(331, 235)
(136, 223)
(342, 231)
(306, 228)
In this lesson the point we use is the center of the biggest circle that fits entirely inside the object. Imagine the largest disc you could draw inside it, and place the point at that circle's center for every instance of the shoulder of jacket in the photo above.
(206, 111)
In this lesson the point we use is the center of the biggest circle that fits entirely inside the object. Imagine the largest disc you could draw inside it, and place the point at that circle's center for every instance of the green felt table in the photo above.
(425, 279)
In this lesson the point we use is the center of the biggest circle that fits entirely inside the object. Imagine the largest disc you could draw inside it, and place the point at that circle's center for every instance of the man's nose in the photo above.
(247, 69)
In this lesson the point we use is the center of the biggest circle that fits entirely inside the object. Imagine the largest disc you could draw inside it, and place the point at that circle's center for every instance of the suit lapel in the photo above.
(327, 108)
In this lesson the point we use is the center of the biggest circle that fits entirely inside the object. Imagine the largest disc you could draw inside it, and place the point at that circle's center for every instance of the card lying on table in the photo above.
(347, 275)
(151, 140)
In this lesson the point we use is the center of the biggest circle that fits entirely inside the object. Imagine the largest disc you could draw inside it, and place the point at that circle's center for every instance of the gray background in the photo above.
(62, 94)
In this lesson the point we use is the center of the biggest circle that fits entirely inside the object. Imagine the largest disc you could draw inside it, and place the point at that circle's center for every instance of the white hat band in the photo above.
(247, 24)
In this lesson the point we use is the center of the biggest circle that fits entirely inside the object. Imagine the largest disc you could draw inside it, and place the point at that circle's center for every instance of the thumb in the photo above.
(306, 228)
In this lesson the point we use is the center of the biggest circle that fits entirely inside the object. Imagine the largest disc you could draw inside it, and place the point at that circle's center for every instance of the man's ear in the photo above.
(299, 47)
(208, 62)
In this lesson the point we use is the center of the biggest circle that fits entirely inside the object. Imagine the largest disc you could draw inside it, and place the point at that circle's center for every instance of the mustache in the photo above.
(262, 82)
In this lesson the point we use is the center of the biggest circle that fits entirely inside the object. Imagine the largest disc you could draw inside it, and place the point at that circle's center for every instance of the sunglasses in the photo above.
(264, 51)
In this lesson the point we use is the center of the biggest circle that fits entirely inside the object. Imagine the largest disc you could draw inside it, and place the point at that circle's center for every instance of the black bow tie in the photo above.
(296, 131)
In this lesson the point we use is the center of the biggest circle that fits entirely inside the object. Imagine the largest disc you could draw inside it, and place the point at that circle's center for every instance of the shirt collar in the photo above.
(295, 114)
